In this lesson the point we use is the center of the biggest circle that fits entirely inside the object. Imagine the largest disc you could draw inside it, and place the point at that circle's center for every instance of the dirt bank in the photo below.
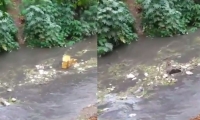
(14, 11)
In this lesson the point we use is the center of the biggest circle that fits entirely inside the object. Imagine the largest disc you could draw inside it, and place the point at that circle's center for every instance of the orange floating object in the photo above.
(67, 61)
(66, 58)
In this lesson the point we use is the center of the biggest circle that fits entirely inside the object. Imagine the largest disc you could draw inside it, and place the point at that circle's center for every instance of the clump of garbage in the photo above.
(45, 72)
(147, 77)
(165, 70)
(40, 74)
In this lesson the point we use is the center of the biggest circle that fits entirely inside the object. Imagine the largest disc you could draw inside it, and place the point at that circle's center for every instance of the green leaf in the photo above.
(4, 47)
(122, 39)
(109, 45)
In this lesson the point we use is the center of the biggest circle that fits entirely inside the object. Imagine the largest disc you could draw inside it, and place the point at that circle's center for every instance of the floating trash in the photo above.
(132, 115)
(165, 75)
(67, 61)
(188, 72)
(105, 109)
(13, 99)
(9, 90)
(130, 76)
(4, 102)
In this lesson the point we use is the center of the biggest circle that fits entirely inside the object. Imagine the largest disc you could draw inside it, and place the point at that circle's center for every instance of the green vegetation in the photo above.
(169, 17)
(51, 23)
(8, 29)
(57, 23)
(115, 25)
(159, 18)
(4, 4)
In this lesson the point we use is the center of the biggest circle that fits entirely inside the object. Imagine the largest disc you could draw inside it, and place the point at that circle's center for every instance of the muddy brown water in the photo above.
(53, 94)
(169, 102)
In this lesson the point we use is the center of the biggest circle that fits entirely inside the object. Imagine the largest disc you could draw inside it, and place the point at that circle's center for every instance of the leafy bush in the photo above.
(85, 11)
(89, 20)
(84, 3)
(8, 31)
(50, 24)
(190, 11)
(72, 28)
(169, 17)
(159, 19)
(115, 25)
(40, 30)
(4, 4)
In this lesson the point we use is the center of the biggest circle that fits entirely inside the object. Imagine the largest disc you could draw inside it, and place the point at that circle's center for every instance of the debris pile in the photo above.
(165, 73)
(5, 102)
(40, 74)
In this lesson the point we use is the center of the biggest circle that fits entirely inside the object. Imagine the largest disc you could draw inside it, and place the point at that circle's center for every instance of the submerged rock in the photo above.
(173, 71)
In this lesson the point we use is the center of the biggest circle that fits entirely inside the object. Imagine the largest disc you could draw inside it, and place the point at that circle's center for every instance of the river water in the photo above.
(43, 90)
(177, 101)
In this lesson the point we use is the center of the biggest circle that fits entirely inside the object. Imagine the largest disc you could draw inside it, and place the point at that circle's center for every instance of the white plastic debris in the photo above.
(146, 74)
(32, 80)
(130, 76)
(41, 71)
(134, 78)
(13, 99)
(105, 109)
(111, 89)
(123, 98)
(76, 65)
(174, 65)
(165, 76)
(9, 90)
(132, 115)
(188, 72)
(4, 102)
(37, 66)
(185, 66)
(81, 69)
